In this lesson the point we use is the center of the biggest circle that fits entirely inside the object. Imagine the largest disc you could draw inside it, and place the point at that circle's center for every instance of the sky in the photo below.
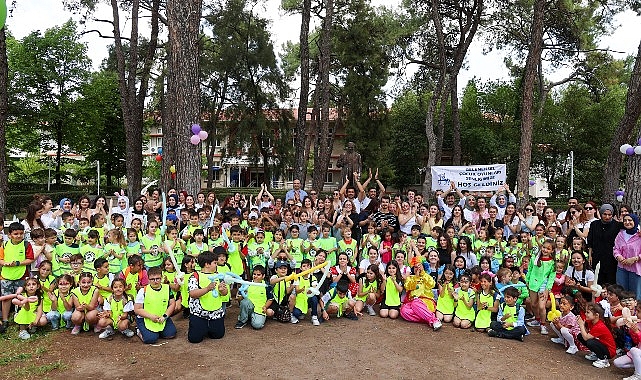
(31, 15)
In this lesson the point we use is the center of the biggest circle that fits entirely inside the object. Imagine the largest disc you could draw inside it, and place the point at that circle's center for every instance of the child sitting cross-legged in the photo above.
(510, 320)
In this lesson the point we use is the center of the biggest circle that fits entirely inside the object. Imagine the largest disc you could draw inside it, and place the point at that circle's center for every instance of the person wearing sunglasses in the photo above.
(529, 220)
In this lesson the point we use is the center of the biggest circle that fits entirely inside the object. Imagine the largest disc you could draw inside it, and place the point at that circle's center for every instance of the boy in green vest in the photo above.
(153, 306)
(257, 306)
(15, 257)
(207, 314)
(510, 321)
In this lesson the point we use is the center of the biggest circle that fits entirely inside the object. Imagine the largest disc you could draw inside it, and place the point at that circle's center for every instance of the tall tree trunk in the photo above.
(633, 181)
(612, 169)
(127, 88)
(432, 138)
(527, 101)
(4, 109)
(300, 164)
(325, 149)
(456, 122)
(183, 89)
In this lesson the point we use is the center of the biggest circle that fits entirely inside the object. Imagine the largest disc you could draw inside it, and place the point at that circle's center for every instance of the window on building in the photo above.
(329, 178)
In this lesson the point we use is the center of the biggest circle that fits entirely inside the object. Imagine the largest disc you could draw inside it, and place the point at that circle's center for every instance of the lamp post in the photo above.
(98, 190)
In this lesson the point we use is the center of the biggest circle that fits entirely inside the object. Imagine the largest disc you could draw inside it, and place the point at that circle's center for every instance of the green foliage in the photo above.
(29, 169)
(407, 143)
(47, 72)
(241, 74)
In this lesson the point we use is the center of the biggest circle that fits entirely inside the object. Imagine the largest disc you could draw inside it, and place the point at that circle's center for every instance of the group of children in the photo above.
(98, 274)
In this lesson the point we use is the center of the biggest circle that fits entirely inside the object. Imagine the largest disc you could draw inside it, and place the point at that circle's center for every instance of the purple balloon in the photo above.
(630, 151)
(532, 183)
(203, 135)
(194, 139)
(618, 193)
(639, 142)
(195, 129)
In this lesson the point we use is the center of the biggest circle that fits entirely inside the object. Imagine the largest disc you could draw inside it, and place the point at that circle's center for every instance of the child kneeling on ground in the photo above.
(257, 306)
(510, 320)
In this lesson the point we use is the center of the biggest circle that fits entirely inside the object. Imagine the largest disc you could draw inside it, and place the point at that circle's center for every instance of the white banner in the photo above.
(472, 178)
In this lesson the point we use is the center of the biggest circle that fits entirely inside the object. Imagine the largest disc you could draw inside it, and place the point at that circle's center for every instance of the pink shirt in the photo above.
(627, 249)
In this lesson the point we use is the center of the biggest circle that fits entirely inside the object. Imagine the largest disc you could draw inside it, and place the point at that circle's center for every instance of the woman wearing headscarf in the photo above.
(601, 243)
(627, 252)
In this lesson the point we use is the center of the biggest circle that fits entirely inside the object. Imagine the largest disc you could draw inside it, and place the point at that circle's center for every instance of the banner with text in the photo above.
(472, 178)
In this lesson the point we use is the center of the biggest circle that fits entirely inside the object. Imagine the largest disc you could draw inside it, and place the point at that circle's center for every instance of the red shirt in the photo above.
(601, 332)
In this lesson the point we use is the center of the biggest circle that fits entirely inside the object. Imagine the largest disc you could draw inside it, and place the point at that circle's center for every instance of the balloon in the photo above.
(629, 151)
(159, 150)
(3, 13)
(637, 150)
(230, 278)
(195, 129)
(294, 276)
(172, 169)
(619, 198)
(553, 313)
(313, 291)
(146, 188)
(194, 139)
(173, 175)
(203, 135)
(21, 300)
(532, 183)
(624, 148)
(618, 192)
(158, 158)
(179, 275)
(639, 141)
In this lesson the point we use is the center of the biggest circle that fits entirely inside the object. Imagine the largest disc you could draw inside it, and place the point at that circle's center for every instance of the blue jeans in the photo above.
(312, 303)
(629, 280)
(247, 313)
(151, 336)
(199, 328)
(53, 317)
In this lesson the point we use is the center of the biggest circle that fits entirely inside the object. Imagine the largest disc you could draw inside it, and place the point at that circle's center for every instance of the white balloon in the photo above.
(624, 147)
(637, 150)
(619, 198)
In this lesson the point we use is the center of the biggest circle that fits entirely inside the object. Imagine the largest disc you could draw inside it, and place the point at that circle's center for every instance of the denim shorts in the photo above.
(10, 286)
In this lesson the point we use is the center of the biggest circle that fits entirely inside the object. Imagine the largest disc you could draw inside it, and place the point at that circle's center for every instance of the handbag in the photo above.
(283, 314)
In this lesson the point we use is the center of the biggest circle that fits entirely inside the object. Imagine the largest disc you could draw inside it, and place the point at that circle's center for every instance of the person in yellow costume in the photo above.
(419, 304)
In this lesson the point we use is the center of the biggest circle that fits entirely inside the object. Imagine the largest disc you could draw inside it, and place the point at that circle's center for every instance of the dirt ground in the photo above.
(369, 348)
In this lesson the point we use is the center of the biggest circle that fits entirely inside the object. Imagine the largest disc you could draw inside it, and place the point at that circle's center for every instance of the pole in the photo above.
(572, 174)
(98, 191)
(49, 169)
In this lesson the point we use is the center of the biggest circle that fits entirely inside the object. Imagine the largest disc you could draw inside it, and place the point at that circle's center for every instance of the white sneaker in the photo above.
(315, 321)
(558, 340)
(573, 350)
(437, 325)
(534, 323)
(293, 319)
(24, 335)
(128, 333)
(544, 330)
(591, 356)
(635, 376)
(601, 363)
(370, 310)
(107, 333)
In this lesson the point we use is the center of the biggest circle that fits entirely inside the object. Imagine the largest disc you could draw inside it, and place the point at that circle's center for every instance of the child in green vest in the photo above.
(153, 306)
(63, 252)
(257, 306)
(15, 258)
(207, 315)
(510, 320)
(301, 301)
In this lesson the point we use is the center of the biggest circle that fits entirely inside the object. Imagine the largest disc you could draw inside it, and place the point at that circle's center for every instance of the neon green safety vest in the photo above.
(156, 303)
(13, 253)
(153, 258)
(258, 296)
(208, 301)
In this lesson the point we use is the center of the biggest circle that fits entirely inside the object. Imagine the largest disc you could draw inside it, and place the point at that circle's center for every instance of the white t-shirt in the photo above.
(364, 264)
(578, 275)
(129, 306)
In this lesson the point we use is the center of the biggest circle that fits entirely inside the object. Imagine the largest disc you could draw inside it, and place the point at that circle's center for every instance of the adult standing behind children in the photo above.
(15, 257)
(627, 251)
(153, 306)
(601, 243)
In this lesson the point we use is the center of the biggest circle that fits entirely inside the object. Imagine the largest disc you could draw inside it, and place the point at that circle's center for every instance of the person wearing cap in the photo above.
(419, 305)
(601, 238)
(282, 287)
(627, 252)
